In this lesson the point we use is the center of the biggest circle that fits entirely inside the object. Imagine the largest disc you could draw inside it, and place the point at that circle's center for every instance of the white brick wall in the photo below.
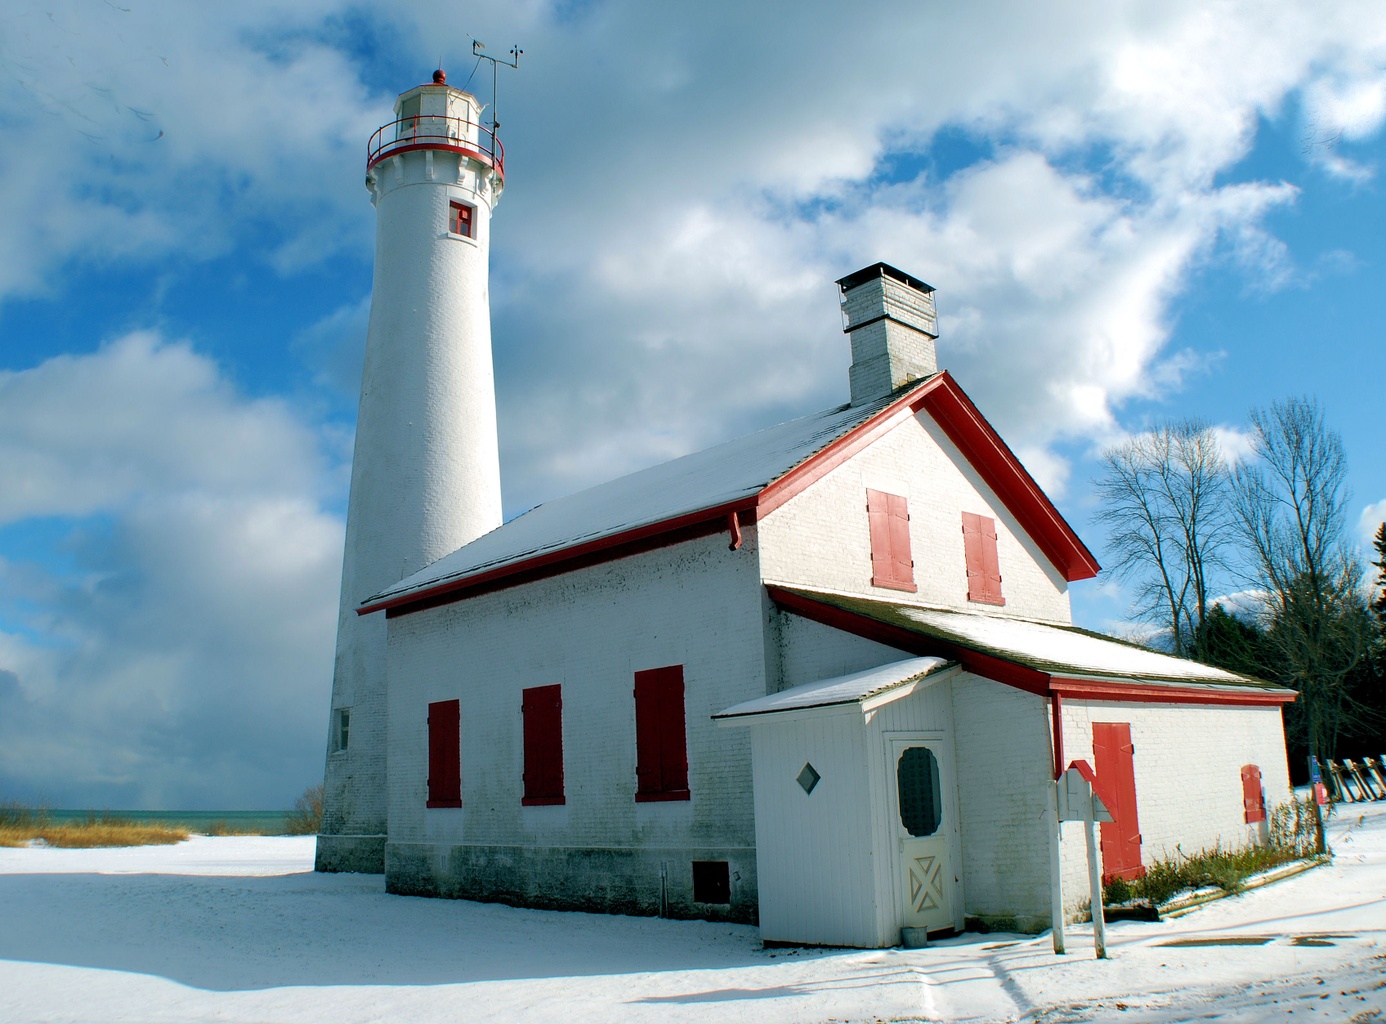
(821, 538)
(696, 604)
(1004, 770)
(1188, 762)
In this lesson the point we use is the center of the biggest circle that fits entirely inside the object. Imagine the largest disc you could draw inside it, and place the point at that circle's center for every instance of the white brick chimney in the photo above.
(892, 321)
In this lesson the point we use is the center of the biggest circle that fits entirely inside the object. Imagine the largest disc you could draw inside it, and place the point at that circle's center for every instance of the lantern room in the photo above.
(437, 116)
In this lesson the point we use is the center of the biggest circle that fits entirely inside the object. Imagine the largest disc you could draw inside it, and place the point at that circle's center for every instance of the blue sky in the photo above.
(1130, 213)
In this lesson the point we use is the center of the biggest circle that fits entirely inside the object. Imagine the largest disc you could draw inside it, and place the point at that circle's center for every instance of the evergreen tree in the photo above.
(1379, 603)
(1229, 641)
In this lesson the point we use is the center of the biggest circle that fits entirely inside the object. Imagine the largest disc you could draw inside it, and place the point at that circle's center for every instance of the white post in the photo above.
(1099, 926)
(1056, 873)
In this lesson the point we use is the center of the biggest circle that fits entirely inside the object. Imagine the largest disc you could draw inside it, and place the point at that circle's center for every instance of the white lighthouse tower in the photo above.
(425, 478)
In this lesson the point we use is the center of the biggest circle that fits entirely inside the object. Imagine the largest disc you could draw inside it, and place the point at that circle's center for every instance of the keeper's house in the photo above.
(821, 677)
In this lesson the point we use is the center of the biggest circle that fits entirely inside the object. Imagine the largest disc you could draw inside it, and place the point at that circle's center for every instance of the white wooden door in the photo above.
(924, 832)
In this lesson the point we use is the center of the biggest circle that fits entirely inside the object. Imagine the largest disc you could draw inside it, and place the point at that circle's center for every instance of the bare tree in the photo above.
(1165, 503)
(1291, 503)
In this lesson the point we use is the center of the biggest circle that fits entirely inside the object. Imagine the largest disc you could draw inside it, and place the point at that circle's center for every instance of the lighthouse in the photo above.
(425, 477)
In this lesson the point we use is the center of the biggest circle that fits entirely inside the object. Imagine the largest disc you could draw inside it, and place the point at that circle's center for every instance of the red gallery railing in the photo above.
(434, 131)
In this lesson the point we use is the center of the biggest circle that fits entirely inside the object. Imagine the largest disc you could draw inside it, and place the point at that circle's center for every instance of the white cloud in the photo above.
(684, 185)
(1368, 523)
(180, 652)
(1347, 105)
(1251, 605)
(1235, 443)
(335, 347)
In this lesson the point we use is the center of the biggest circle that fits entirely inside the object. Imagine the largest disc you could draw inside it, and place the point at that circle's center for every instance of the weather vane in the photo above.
(514, 62)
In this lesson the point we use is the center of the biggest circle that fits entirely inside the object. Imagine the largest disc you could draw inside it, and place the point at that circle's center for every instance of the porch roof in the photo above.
(1041, 657)
(853, 688)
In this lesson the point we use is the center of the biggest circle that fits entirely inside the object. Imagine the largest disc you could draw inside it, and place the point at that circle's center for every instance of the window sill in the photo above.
(443, 803)
(651, 798)
(999, 602)
(905, 585)
(541, 801)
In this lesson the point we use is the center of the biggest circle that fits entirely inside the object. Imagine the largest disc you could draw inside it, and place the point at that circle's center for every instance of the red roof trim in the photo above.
(1086, 689)
(1020, 676)
(555, 563)
(817, 466)
(982, 446)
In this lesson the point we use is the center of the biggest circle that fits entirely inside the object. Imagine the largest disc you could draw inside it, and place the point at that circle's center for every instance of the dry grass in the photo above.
(223, 828)
(21, 826)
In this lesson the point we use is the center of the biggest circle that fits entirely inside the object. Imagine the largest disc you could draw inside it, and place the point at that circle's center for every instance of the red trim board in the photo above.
(1087, 689)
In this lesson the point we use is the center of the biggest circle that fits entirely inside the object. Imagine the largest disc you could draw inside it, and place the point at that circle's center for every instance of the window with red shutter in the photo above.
(444, 754)
(460, 219)
(1253, 796)
(542, 710)
(892, 565)
(661, 744)
(983, 567)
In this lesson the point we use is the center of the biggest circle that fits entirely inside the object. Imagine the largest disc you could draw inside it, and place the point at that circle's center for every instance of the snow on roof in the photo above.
(1045, 647)
(848, 689)
(738, 469)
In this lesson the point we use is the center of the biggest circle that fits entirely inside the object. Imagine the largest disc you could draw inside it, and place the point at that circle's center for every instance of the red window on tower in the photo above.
(542, 709)
(661, 745)
(983, 569)
(891, 563)
(460, 219)
(444, 754)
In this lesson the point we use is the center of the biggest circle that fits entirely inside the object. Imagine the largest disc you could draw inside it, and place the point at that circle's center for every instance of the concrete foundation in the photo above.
(608, 881)
(362, 854)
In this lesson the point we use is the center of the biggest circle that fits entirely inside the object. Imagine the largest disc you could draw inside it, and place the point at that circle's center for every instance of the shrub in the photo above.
(306, 817)
(1292, 837)
(1118, 890)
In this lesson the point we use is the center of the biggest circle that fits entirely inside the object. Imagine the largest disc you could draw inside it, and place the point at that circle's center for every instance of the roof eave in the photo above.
(1011, 672)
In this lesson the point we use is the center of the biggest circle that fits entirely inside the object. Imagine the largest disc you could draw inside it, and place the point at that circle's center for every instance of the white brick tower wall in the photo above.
(425, 479)
(893, 325)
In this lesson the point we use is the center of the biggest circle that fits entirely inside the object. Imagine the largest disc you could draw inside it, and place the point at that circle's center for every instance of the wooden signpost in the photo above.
(1078, 798)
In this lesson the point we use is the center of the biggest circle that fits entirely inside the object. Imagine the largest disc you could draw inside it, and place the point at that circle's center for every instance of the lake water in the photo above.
(267, 822)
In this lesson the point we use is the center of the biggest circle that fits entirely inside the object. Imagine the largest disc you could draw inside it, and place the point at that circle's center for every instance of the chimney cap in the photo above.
(881, 270)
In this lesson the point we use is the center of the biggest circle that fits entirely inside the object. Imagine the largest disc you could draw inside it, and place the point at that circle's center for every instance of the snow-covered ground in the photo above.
(240, 929)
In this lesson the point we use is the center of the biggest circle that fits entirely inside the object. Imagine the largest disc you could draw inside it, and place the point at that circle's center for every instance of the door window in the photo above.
(921, 800)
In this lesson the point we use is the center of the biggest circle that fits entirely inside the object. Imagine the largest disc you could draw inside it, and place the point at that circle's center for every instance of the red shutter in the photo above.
(983, 565)
(888, 517)
(542, 710)
(673, 737)
(661, 745)
(444, 754)
(1253, 797)
(1113, 756)
(901, 561)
